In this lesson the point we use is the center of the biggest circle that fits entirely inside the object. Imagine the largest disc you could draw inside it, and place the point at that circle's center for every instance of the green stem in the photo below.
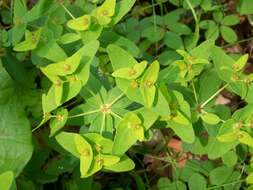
(41, 124)
(116, 99)
(103, 124)
(241, 41)
(86, 113)
(65, 8)
(155, 25)
(116, 115)
(222, 185)
(94, 95)
(195, 41)
(11, 12)
(194, 91)
(213, 96)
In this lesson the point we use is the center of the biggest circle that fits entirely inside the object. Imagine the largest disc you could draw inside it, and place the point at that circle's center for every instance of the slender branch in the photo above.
(65, 8)
(155, 25)
(103, 124)
(41, 124)
(36, 128)
(11, 12)
(238, 42)
(194, 43)
(86, 113)
(94, 95)
(116, 115)
(116, 99)
(222, 185)
(213, 96)
(195, 94)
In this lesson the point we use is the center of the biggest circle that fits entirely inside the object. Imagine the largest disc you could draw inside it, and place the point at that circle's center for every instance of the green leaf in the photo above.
(105, 121)
(19, 10)
(93, 33)
(245, 138)
(87, 53)
(70, 90)
(210, 118)
(15, 137)
(131, 73)
(148, 117)
(210, 78)
(241, 62)
(62, 165)
(222, 61)
(122, 7)
(17, 33)
(86, 154)
(230, 20)
(80, 24)
(99, 143)
(220, 175)
(107, 8)
(148, 80)
(40, 9)
(69, 38)
(120, 58)
(180, 119)
(109, 160)
(212, 32)
(246, 7)
(173, 40)
(96, 165)
(230, 158)
(49, 49)
(124, 164)
(66, 67)
(31, 42)
(249, 178)
(179, 28)
(6, 180)
(17, 71)
(206, 24)
(108, 37)
(228, 34)
(59, 121)
(218, 16)
(153, 33)
(67, 141)
(217, 148)
(194, 3)
(128, 131)
(206, 5)
(58, 91)
(197, 181)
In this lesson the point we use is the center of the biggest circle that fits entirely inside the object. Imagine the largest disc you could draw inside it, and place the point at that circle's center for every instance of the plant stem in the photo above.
(103, 124)
(94, 95)
(194, 91)
(11, 12)
(241, 41)
(86, 113)
(195, 41)
(222, 185)
(65, 8)
(116, 115)
(155, 25)
(116, 99)
(213, 96)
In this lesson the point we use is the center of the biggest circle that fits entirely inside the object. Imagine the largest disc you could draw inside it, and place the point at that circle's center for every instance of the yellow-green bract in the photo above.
(147, 85)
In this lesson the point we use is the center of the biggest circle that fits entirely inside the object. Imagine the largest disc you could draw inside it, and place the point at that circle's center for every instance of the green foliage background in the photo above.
(85, 84)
